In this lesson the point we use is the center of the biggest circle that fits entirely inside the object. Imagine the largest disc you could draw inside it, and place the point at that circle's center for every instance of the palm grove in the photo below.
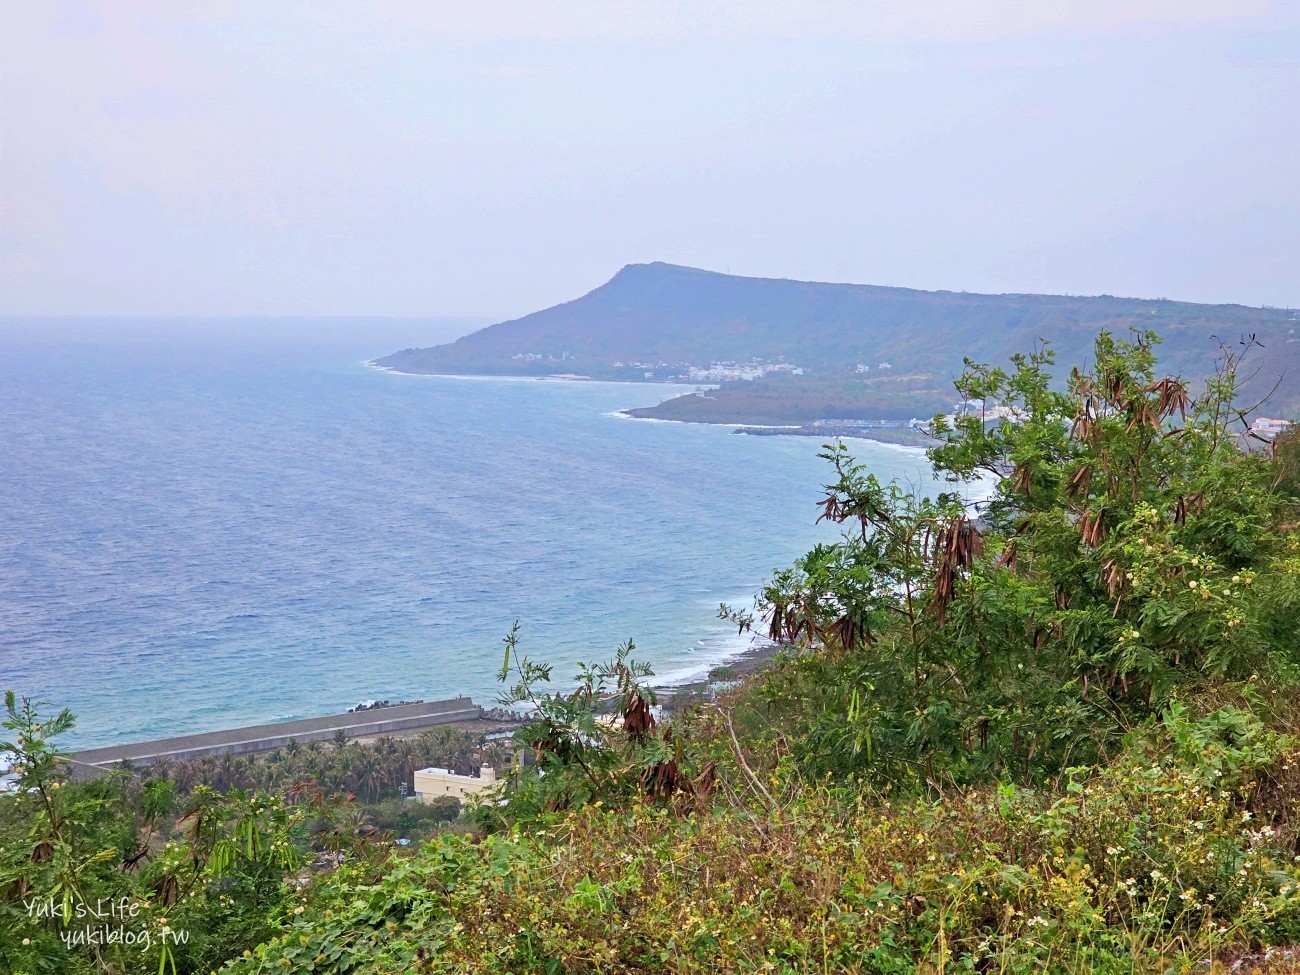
(1051, 731)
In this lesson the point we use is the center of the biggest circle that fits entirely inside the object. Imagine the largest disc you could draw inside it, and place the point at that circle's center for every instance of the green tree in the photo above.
(187, 892)
(1112, 567)
(598, 741)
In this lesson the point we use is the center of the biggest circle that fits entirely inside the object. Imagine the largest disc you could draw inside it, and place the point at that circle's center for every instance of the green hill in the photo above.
(661, 318)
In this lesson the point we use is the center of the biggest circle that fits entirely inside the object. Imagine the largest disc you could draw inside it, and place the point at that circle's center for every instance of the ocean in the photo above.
(210, 524)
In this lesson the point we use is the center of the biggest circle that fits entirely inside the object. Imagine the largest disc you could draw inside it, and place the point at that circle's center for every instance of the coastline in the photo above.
(745, 654)
(787, 430)
(559, 377)
(739, 661)
(890, 436)
(754, 658)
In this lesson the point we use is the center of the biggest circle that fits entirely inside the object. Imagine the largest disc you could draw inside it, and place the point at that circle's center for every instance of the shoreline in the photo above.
(489, 721)
(744, 429)
(781, 430)
(744, 664)
(559, 377)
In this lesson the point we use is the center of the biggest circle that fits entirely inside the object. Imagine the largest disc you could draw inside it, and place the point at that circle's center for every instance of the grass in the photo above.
(1163, 861)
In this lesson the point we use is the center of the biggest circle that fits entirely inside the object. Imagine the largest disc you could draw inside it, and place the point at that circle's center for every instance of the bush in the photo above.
(1151, 864)
(1130, 551)
(419, 817)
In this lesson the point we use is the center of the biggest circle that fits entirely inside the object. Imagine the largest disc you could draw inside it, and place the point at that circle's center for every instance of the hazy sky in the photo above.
(490, 158)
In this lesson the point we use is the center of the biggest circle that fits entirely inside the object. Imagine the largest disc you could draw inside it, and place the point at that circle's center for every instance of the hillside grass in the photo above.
(1179, 853)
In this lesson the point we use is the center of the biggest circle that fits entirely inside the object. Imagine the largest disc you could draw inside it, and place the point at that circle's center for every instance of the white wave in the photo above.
(722, 645)
(909, 449)
(622, 415)
(708, 654)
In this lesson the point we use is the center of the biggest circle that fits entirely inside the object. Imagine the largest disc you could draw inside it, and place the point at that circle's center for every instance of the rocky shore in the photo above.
(900, 434)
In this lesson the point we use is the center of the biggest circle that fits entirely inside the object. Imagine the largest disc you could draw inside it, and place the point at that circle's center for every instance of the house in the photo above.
(1267, 428)
(433, 782)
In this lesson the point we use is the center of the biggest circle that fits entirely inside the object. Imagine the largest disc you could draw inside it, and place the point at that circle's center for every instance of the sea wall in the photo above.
(265, 737)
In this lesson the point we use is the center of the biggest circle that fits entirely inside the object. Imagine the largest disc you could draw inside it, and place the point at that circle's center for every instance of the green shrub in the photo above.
(1151, 864)
(1130, 552)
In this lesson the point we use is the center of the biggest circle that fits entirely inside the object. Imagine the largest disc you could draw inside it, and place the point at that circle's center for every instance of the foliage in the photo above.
(1149, 865)
(408, 818)
(176, 869)
(112, 876)
(121, 875)
(1131, 551)
(1286, 450)
(370, 770)
(599, 740)
(784, 400)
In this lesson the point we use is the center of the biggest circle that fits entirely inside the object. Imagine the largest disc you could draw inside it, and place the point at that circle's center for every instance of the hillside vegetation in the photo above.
(1056, 733)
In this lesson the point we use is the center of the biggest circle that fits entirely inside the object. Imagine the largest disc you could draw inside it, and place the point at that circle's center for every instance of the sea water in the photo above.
(210, 524)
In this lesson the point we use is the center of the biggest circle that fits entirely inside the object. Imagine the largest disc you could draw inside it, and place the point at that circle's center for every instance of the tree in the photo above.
(598, 741)
(190, 891)
(1110, 569)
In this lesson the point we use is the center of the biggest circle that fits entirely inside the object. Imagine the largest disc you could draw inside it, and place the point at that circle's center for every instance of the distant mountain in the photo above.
(661, 317)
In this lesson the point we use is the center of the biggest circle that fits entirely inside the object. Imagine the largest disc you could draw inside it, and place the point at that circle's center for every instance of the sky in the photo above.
(493, 157)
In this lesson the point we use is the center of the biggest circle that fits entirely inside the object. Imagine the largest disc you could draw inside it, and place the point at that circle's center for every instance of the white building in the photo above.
(1268, 428)
(433, 782)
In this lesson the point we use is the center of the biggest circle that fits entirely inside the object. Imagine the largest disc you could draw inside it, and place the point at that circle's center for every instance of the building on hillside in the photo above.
(1267, 428)
(433, 782)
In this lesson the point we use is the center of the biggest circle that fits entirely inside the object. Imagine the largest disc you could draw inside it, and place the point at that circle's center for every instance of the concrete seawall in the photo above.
(265, 737)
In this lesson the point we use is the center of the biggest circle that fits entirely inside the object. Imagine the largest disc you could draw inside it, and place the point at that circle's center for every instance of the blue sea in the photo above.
(209, 524)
